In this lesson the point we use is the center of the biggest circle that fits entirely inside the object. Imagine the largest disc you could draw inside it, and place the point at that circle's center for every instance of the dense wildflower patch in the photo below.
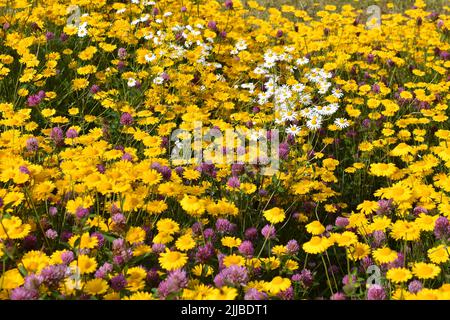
(98, 200)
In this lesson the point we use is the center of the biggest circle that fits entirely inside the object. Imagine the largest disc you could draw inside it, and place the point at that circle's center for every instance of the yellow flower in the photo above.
(291, 265)
(402, 294)
(424, 270)
(277, 285)
(439, 254)
(151, 177)
(279, 250)
(379, 223)
(398, 192)
(34, 261)
(224, 293)
(426, 222)
(135, 235)
(345, 239)
(248, 188)
(167, 226)
(191, 174)
(85, 264)
(136, 278)
(270, 263)
(112, 296)
(11, 279)
(274, 215)
(384, 255)
(315, 228)
(163, 238)
(156, 206)
(13, 228)
(231, 242)
(193, 205)
(141, 250)
(88, 242)
(358, 251)
(427, 294)
(96, 286)
(405, 230)
(383, 169)
(56, 256)
(367, 207)
(202, 270)
(140, 295)
(185, 242)
(79, 84)
(233, 260)
(171, 260)
(48, 112)
(398, 275)
(317, 245)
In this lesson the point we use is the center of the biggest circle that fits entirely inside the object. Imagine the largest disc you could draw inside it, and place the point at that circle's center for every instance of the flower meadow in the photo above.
(117, 182)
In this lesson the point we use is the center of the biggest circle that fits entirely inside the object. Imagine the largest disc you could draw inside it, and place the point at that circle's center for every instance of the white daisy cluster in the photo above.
(240, 45)
(191, 37)
(144, 2)
(141, 19)
(293, 102)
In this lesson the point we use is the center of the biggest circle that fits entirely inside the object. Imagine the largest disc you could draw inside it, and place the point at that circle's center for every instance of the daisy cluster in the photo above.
(93, 205)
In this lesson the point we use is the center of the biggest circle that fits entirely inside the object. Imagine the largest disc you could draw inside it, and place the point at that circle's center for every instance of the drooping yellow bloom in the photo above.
(315, 228)
(277, 285)
(13, 228)
(274, 215)
(317, 245)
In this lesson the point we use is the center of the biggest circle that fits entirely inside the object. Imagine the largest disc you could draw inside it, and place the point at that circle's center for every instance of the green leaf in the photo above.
(22, 270)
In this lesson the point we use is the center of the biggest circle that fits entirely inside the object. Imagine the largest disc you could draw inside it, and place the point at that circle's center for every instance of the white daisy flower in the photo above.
(149, 57)
(327, 110)
(131, 82)
(293, 130)
(241, 45)
(307, 113)
(82, 32)
(158, 80)
(342, 123)
(270, 56)
(279, 121)
(259, 70)
(301, 61)
(145, 18)
(289, 115)
(298, 87)
(305, 99)
(149, 36)
(269, 64)
(289, 48)
(256, 134)
(314, 123)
